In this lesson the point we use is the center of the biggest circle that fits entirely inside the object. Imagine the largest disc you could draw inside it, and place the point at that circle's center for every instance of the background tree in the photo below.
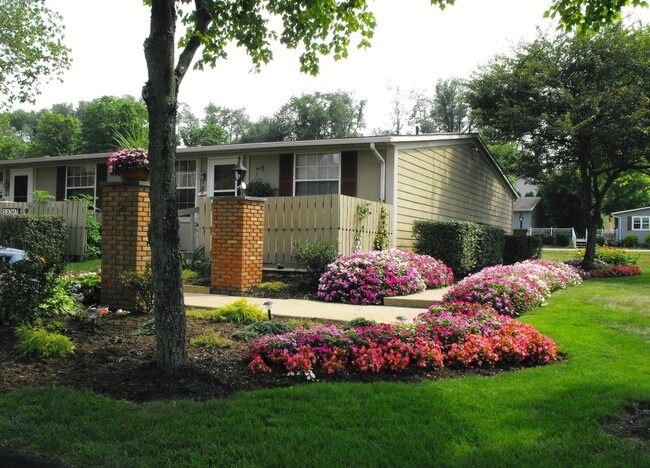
(234, 121)
(264, 129)
(628, 192)
(321, 116)
(31, 49)
(316, 26)
(56, 135)
(575, 103)
(446, 111)
(105, 117)
(398, 110)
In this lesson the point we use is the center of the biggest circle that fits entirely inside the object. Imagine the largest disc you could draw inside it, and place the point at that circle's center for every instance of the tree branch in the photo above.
(203, 19)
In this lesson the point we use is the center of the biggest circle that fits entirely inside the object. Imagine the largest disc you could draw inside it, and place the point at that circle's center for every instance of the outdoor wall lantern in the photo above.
(521, 221)
(240, 172)
(268, 305)
(93, 315)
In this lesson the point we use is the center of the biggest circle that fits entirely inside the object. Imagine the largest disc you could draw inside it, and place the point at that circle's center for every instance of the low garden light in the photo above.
(268, 305)
(93, 315)
(239, 172)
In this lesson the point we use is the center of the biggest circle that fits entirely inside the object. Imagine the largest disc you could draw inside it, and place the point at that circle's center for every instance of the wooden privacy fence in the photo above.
(74, 213)
(305, 219)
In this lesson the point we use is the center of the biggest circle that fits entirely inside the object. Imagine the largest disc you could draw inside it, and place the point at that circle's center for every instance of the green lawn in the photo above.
(548, 416)
(84, 266)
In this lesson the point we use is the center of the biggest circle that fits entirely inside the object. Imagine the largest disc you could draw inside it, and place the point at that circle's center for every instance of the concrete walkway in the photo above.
(405, 306)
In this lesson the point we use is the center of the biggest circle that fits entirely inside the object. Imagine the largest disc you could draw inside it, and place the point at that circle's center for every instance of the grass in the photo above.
(84, 266)
(547, 416)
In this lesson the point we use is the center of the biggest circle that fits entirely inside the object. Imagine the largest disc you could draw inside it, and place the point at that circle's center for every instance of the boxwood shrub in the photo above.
(40, 235)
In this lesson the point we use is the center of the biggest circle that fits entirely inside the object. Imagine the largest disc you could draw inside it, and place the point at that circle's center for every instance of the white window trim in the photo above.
(94, 186)
(3, 181)
(220, 162)
(295, 176)
(197, 182)
(640, 220)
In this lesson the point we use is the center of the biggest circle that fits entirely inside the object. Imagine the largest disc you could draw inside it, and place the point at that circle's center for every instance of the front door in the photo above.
(221, 179)
(21, 186)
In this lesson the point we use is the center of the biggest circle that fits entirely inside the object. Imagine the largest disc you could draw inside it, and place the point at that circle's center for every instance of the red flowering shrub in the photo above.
(614, 271)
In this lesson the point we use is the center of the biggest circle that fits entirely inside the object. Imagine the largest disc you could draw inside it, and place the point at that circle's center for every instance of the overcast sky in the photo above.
(415, 44)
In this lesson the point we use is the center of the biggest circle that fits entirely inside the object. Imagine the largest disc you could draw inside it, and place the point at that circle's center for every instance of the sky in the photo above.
(415, 44)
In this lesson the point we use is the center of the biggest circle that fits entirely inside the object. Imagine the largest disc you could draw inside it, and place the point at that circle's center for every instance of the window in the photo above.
(186, 184)
(641, 223)
(317, 174)
(221, 180)
(80, 180)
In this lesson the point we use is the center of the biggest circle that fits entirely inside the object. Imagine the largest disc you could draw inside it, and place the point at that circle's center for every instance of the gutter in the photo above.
(382, 173)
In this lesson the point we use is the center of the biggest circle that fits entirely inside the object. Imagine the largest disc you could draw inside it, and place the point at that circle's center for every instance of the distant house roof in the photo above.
(630, 211)
(526, 203)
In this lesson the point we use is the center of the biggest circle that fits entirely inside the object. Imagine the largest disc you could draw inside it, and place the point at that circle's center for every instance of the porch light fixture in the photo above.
(268, 305)
(521, 221)
(239, 172)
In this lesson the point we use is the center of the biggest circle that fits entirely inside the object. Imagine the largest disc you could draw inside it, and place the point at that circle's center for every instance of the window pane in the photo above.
(224, 178)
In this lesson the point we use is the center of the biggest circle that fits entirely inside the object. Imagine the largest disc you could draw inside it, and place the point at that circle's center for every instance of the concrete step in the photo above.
(421, 300)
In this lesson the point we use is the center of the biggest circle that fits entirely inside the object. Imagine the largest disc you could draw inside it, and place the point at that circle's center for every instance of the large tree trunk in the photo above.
(160, 95)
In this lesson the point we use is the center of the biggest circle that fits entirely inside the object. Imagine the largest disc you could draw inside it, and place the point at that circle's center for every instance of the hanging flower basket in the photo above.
(129, 164)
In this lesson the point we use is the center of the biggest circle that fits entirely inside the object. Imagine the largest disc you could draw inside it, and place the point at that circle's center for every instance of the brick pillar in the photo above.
(237, 244)
(125, 224)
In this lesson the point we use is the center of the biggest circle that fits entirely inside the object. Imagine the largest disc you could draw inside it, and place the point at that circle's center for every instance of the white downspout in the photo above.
(382, 173)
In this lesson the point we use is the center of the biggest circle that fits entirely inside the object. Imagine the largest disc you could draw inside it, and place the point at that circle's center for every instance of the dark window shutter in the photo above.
(101, 175)
(286, 175)
(61, 174)
(349, 173)
(629, 223)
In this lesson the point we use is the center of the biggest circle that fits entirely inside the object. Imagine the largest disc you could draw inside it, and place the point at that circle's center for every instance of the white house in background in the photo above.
(523, 187)
(527, 213)
(636, 221)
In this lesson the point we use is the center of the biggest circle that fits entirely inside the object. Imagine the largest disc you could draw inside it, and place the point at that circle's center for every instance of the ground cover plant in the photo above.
(588, 410)
(368, 277)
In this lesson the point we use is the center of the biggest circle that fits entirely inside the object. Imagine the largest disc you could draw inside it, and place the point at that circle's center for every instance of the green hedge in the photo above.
(519, 248)
(42, 236)
(463, 246)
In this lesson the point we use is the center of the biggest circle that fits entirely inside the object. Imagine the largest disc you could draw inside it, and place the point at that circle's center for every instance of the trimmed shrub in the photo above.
(490, 244)
(548, 240)
(359, 322)
(600, 240)
(562, 240)
(518, 249)
(24, 286)
(240, 311)
(41, 236)
(630, 240)
(315, 256)
(646, 240)
(453, 242)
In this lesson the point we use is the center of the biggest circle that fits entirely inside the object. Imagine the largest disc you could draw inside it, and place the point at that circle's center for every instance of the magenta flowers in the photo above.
(368, 277)
(130, 159)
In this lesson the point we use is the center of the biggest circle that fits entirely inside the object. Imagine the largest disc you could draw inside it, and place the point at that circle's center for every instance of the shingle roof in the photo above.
(526, 203)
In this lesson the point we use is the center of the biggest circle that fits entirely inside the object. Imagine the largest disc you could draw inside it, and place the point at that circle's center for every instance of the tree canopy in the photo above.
(576, 103)
(31, 49)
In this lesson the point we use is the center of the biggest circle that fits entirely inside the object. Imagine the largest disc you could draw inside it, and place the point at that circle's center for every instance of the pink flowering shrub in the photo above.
(509, 295)
(129, 159)
(515, 289)
(514, 342)
(448, 334)
(452, 321)
(614, 271)
(368, 277)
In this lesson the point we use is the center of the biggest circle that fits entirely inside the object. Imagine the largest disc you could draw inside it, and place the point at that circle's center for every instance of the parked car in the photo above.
(9, 255)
